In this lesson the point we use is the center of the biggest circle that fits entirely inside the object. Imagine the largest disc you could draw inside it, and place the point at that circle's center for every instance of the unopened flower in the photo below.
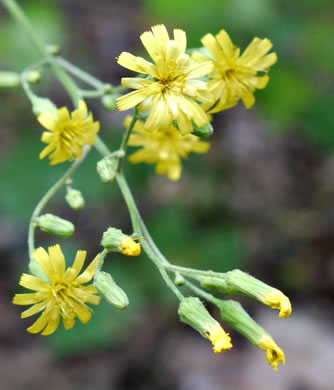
(236, 76)
(67, 133)
(193, 312)
(172, 89)
(274, 354)
(165, 148)
(63, 296)
(115, 240)
(234, 315)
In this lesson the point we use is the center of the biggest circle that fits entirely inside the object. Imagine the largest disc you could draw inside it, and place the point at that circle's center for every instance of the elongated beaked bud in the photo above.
(114, 240)
(9, 80)
(238, 282)
(75, 199)
(52, 224)
(193, 312)
(113, 294)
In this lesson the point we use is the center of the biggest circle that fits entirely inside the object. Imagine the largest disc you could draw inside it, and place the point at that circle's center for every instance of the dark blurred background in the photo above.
(261, 200)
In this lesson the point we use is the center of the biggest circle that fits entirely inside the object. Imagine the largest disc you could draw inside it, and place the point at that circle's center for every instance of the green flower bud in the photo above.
(107, 89)
(114, 295)
(40, 105)
(203, 132)
(52, 224)
(109, 102)
(9, 80)
(75, 199)
(193, 313)
(238, 282)
(179, 280)
(106, 169)
(34, 76)
(114, 240)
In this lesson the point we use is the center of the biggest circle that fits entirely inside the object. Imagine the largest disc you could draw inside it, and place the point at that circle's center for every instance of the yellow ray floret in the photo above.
(67, 133)
(63, 296)
(274, 354)
(235, 76)
(164, 148)
(221, 340)
(277, 300)
(172, 89)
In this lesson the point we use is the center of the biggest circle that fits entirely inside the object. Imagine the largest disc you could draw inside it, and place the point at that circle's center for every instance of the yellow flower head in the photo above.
(236, 76)
(274, 354)
(129, 247)
(62, 296)
(277, 300)
(221, 341)
(172, 89)
(164, 148)
(67, 134)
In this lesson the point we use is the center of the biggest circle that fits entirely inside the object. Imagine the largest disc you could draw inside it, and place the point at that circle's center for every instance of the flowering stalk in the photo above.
(175, 97)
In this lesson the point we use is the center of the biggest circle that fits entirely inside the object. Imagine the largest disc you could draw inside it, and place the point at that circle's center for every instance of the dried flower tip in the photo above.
(116, 241)
(52, 224)
(274, 354)
(277, 300)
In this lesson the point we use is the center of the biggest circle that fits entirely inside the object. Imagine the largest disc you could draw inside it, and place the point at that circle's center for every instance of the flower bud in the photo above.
(238, 282)
(233, 314)
(114, 295)
(109, 102)
(34, 76)
(40, 105)
(9, 80)
(75, 199)
(52, 224)
(203, 132)
(106, 169)
(193, 313)
(114, 240)
(179, 280)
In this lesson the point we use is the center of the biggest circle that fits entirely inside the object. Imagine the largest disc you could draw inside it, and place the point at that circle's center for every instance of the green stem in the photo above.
(81, 74)
(42, 203)
(137, 229)
(125, 139)
(15, 10)
(201, 293)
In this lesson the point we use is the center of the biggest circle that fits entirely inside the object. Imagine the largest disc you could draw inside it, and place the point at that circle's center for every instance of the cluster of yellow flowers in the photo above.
(178, 92)
(174, 99)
